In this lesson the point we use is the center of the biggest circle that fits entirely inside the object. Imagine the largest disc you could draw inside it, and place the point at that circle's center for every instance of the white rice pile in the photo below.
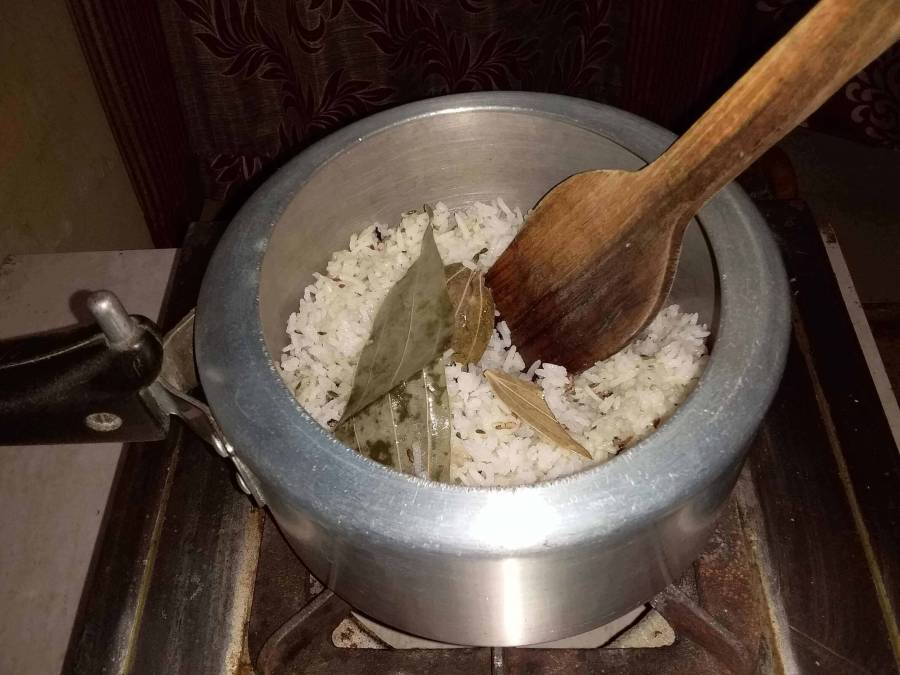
(608, 407)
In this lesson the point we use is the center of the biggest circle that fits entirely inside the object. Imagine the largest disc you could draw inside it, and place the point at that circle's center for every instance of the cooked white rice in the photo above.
(606, 408)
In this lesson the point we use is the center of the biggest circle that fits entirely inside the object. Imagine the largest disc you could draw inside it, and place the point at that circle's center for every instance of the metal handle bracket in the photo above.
(171, 392)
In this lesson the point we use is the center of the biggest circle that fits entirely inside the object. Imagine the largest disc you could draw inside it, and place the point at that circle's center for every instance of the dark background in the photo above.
(207, 97)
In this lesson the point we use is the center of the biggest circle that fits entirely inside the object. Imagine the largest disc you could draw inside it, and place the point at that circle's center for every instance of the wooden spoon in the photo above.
(595, 260)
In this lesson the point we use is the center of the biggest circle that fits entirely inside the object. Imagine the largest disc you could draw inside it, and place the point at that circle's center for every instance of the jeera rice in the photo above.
(606, 408)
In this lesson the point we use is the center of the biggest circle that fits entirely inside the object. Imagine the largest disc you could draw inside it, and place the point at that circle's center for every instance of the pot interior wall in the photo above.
(455, 158)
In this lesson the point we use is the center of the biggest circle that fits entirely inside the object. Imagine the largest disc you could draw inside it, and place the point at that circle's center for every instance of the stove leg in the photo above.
(323, 612)
(497, 667)
(693, 622)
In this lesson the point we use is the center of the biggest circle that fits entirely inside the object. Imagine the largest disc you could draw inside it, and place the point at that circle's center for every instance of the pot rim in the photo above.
(306, 468)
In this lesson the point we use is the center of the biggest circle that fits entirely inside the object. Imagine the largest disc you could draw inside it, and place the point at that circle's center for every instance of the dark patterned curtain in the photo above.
(238, 86)
(259, 79)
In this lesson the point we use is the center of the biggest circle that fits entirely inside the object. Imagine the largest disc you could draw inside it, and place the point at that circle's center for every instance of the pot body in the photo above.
(477, 566)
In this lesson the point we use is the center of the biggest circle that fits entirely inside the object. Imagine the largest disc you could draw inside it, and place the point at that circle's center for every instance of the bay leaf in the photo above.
(473, 312)
(411, 329)
(408, 428)
(526, 401)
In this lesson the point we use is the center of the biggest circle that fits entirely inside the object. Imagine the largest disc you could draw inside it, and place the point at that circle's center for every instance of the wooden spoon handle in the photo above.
(835, 40)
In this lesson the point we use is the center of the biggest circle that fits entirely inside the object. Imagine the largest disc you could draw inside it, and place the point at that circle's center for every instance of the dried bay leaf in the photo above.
(408, 428)
(411, 329)
(473, 312)
(398, 413)
(526, 401)
(430, 401)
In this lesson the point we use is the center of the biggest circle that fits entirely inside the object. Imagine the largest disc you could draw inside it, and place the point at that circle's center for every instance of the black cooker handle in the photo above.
(84, 385)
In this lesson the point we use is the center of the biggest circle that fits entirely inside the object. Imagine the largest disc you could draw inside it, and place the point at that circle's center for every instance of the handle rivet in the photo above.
(103, 421)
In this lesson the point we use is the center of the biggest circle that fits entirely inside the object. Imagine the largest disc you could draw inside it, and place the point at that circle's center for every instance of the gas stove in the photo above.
(801, 574)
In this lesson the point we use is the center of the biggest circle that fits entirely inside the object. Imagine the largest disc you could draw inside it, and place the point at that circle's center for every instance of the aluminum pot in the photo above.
(484, 566)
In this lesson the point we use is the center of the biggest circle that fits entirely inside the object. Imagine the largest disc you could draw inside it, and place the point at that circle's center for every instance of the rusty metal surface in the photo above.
(692, 622)
(300, 631)
(200, 590)
(283, 588)
(729, 585)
